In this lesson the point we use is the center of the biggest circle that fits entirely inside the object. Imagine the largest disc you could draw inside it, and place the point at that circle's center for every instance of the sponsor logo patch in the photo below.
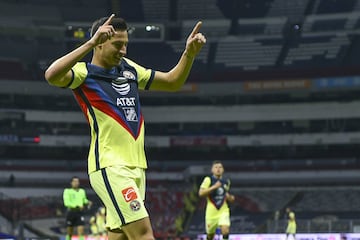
(121, 85)
(220, 191)
(129, 194)
(125, 101)
(130, 114)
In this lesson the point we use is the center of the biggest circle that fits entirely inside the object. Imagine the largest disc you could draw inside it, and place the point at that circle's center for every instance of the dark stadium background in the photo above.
(274, 94)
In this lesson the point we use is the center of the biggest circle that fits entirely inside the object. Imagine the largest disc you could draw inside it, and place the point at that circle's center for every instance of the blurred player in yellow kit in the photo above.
(101, 222)
(291, 227)
(93, 227)
(216, 189)
(98, 224)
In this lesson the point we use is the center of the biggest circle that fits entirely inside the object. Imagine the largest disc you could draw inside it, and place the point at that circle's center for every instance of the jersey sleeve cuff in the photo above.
(72, 79)
(148, 84)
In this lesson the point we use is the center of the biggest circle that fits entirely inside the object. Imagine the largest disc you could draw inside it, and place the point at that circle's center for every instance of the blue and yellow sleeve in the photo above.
(79, 73)
(206, 183)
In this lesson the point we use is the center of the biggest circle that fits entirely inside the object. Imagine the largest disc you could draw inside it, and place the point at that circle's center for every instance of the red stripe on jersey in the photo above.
(98, 102)
(82, 104)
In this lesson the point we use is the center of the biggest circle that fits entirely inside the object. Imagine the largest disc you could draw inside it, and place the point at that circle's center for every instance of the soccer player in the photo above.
(93, 227)
(107, 92)
(216, 189)
(101, 221)
(75, 201)
(97, 224)
(291, 226)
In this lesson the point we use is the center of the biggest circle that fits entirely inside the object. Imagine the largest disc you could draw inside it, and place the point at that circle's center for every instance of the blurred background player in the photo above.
(291, 227)
(75, 201)
(216, 189)
(93, 227)
(98, 224)
(101, 221)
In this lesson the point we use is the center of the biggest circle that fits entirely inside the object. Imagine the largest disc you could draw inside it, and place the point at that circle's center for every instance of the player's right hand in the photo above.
(104, 32)
(195, 41)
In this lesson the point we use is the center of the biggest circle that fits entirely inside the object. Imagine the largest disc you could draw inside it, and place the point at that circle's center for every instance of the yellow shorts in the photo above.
(212, 223)
(94, 230)
(122, 190)
(291, 228)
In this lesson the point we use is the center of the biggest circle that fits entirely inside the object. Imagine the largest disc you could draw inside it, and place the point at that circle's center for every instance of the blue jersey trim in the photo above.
(96, 127)
(147, 87)
(112, 196)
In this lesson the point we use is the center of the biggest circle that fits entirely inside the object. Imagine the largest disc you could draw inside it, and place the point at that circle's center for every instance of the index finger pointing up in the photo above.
(196, 28)
(108, 21)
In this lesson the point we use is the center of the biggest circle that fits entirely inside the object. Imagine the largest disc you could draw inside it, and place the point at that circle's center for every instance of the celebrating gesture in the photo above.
(116, 156)
(195, 41)
(104, 32)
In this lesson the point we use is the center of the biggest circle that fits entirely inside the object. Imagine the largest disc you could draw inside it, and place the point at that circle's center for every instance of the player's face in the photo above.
(75, 183)
(217, 169)
(115, 49)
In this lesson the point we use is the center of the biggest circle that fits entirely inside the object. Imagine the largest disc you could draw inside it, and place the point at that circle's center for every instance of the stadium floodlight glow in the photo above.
(150, 28)
(146, 32)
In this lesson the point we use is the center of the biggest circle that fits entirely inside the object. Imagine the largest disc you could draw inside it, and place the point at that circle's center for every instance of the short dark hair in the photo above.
(74, 177)
(117, 23)
(217, 162)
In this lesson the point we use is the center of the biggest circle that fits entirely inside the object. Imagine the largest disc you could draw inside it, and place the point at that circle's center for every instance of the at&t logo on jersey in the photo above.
(220, 191)
(125, 101)
(128, 106)
(121, 85)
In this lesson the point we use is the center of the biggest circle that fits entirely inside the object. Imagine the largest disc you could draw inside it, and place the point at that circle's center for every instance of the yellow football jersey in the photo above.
(110, 101)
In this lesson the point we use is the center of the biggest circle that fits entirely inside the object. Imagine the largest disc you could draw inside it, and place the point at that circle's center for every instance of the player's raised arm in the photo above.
(176, 77)
(59, 72)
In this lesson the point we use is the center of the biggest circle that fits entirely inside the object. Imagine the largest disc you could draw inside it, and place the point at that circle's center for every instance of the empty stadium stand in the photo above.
(274, 93)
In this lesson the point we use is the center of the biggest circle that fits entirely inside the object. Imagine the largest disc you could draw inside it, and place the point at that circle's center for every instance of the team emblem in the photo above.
(135, 205)
(129, 75)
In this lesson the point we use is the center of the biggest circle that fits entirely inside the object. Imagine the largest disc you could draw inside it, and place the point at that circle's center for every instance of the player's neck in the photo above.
(218, 176)
(99, 63)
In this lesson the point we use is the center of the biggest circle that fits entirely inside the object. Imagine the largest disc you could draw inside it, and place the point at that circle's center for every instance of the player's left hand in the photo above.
(195, 41)
(230, 197)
